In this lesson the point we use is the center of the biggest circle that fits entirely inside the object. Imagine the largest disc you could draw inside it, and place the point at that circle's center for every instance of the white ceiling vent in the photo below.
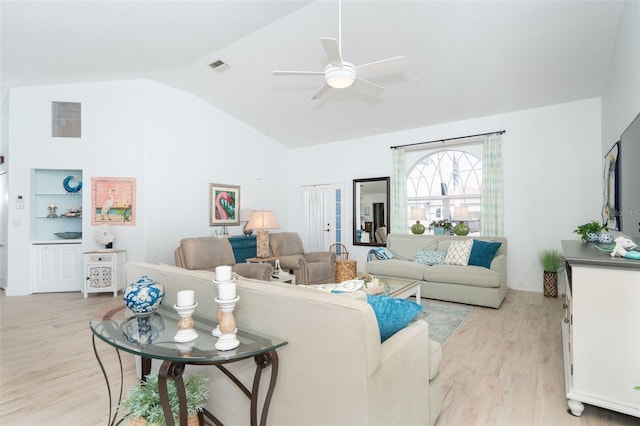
(219, 65)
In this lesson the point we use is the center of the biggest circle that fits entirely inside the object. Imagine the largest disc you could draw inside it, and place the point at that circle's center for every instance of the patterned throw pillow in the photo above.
(430, 257)
(458, 253)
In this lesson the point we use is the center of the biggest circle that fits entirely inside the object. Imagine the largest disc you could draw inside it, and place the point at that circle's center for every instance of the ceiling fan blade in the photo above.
(332, 50)
(298, 73)
(320, 93)
(383, 65)
(369, 87)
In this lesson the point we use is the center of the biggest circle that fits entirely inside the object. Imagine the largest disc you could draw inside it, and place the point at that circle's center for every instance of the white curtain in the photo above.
(492, 187)
(313, 217)
(399, 218)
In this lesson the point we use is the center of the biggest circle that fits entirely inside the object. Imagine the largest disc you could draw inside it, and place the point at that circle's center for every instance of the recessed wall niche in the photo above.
(66, 120)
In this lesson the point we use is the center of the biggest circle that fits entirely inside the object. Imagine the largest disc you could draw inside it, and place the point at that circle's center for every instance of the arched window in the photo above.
(448, 185)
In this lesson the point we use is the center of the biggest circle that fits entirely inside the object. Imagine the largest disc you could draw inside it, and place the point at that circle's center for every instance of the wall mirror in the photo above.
(371, 217)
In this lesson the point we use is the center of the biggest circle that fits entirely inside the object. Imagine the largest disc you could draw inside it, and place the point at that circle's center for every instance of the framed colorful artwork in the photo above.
(113, 201)
(611, 196)
(224, 204)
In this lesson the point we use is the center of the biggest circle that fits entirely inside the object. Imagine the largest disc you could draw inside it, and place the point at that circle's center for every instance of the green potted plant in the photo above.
(552, 261)
(143, 400)
(589, 232)
(441, 226)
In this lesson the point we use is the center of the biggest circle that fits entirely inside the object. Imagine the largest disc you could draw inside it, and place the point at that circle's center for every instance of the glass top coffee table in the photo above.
(401, 288)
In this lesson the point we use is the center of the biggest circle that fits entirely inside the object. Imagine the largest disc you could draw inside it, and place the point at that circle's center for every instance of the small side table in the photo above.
(345, 270)
(104, 271)
(283, 277)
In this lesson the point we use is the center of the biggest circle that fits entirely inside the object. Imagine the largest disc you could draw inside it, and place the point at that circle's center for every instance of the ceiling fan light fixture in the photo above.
(340, 76)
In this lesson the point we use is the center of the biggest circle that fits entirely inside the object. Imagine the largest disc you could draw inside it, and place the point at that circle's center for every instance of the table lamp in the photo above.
(261, 220)
(417, 213)
(461, 214)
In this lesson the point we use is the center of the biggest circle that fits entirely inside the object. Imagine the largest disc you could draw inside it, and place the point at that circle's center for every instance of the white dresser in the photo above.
(601, 330)
(104, 271)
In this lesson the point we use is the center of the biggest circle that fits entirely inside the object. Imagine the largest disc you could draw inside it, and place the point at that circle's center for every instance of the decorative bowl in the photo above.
(143, 296)
(68, 235)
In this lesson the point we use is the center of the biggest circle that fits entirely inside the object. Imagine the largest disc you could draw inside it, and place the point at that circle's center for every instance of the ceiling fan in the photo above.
(340, 74)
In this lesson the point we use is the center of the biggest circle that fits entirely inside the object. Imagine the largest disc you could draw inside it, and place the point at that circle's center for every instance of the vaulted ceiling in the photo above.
(466, 58)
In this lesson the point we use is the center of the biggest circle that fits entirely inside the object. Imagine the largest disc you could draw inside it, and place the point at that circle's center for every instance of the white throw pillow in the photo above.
(458, 253)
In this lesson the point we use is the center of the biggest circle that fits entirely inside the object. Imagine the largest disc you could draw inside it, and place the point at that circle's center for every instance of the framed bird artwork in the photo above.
(224, 204)
(113, 201)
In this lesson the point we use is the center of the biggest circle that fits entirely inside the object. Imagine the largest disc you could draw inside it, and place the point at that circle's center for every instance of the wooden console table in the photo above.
(151, 337)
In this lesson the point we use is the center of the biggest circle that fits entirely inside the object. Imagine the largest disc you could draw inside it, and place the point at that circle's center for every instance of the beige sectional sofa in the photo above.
(475, 285)
(333, 371)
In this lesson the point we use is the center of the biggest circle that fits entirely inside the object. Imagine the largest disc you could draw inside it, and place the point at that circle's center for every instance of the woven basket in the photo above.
(345, 270)
(550, 284)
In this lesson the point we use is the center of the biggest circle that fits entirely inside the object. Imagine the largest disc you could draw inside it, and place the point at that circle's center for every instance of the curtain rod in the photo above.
(499, 132)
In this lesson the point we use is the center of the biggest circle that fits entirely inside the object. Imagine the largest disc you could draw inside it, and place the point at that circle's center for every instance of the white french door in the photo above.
(321, 216)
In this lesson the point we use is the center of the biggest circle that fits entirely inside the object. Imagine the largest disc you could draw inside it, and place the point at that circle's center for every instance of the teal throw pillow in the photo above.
(483, 252)
(430, 257)
(392, 314)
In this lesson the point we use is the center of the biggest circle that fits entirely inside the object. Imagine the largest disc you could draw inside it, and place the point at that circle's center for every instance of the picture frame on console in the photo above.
(224, 204)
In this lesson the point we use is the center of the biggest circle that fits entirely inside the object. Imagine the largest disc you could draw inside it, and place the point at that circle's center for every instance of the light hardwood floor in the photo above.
(502, 367)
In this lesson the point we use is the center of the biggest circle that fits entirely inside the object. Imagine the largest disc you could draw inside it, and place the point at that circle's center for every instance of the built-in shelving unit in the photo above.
(49, 189)
(57, 262)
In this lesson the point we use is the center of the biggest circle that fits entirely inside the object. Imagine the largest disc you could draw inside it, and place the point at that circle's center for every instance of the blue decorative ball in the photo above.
(143, 296)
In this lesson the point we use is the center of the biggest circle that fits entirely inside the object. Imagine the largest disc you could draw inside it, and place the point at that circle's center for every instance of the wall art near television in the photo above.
(611, 196)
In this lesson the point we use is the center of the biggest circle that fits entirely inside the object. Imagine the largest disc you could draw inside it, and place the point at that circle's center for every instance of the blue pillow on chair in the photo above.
(483, 252)
(392, 314)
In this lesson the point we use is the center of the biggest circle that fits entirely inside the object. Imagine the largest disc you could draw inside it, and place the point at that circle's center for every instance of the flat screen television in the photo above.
(629, 181)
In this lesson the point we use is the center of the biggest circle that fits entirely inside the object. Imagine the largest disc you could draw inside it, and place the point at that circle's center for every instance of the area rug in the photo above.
(444, 318)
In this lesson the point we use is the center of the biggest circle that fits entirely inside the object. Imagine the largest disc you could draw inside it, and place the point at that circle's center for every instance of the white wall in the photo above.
(552, 175)
(173, 143)
(621, 94)
(111, 145)
(190, 145)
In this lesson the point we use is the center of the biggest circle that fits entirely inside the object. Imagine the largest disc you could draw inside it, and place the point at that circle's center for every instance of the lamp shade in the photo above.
(417, 213)
(263, 219)
(461, 213)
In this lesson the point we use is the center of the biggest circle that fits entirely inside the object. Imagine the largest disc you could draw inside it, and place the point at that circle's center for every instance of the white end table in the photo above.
(283, 277)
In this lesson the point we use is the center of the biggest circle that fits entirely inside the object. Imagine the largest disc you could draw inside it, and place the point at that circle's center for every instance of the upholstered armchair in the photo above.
(206, 253)
(381, 234)
(309, 268)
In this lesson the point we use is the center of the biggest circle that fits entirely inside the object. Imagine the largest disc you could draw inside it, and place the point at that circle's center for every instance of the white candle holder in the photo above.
(185, 333)
(227, 325)
(216, 331)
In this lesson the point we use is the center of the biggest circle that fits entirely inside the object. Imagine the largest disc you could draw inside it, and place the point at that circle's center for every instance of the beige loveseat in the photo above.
(475, 285)
(333, 371)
